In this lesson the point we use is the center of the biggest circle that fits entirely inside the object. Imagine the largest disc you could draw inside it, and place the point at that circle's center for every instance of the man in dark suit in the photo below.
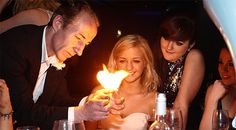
(32, 63)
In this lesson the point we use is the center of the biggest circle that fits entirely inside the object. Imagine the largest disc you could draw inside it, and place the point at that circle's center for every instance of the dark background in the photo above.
(135, 17)
(139, 17)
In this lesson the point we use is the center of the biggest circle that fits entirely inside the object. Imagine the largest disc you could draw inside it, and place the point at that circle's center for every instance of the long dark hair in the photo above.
(177, 26)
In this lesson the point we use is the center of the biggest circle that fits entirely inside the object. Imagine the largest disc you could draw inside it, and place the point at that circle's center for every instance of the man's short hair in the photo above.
(69, 11)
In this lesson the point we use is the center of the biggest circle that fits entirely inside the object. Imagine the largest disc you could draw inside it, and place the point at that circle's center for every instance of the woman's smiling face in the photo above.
(173, 50)
(226, 68)
(132, 61)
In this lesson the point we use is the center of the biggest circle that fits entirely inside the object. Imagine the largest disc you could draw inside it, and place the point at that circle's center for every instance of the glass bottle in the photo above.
(160, 122)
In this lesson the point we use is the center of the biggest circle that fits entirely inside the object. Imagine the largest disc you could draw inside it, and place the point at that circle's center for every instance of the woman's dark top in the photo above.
(219, 106)
(171, 73)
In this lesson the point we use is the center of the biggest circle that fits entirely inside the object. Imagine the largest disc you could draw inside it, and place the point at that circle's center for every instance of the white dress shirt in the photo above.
(45, 64)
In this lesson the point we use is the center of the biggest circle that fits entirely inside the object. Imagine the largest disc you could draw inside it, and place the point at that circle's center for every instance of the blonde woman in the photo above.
(132, 54)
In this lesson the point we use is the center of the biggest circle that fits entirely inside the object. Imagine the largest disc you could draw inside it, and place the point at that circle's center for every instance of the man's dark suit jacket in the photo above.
(21, 50)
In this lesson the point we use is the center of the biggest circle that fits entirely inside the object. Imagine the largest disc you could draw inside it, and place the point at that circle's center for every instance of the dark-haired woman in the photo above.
(224, 90)
(180, 66)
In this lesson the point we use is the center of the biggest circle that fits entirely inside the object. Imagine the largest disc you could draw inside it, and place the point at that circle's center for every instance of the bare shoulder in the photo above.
(195, 58)
(195, 54)
(34, 16)
(33, 11)
(194, 66)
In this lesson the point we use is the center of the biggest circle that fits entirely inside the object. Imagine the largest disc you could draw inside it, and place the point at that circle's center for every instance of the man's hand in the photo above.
(96, 107)
(99, 105)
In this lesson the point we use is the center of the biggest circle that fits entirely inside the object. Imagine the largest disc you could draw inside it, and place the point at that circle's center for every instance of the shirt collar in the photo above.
(45, 57)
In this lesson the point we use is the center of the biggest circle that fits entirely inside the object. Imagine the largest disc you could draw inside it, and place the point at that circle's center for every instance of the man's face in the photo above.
(71, 40)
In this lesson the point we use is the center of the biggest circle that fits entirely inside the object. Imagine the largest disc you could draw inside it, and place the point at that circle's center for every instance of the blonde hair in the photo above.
(149, 79)
(21, 5)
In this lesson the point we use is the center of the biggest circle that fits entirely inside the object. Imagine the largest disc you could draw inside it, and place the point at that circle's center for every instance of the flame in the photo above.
(109, 80)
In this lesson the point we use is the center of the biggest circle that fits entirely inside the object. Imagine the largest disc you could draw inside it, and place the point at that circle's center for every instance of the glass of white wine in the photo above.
(152, 117)
(66, 125)
(220, 120)
(28, 128)
(174, 118)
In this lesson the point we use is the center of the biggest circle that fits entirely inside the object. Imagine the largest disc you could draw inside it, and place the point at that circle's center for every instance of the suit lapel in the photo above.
(35, 55)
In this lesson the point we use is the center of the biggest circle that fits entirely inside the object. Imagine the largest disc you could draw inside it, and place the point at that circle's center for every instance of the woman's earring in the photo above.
(191, 46)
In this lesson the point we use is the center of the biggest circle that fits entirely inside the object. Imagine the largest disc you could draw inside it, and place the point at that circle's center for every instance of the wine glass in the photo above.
(28, 128)
(174, 118)
(151, 117)
(66, 125)
(220, 120)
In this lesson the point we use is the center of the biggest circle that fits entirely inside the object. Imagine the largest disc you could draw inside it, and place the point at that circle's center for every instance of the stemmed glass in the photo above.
(28, 128)
(174, 118)
(151, 117)
(66, 125)
(220, 120)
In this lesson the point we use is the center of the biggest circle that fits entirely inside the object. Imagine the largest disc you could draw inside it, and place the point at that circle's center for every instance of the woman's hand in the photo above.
(218, 91)
(117, 103)
(5, 103)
